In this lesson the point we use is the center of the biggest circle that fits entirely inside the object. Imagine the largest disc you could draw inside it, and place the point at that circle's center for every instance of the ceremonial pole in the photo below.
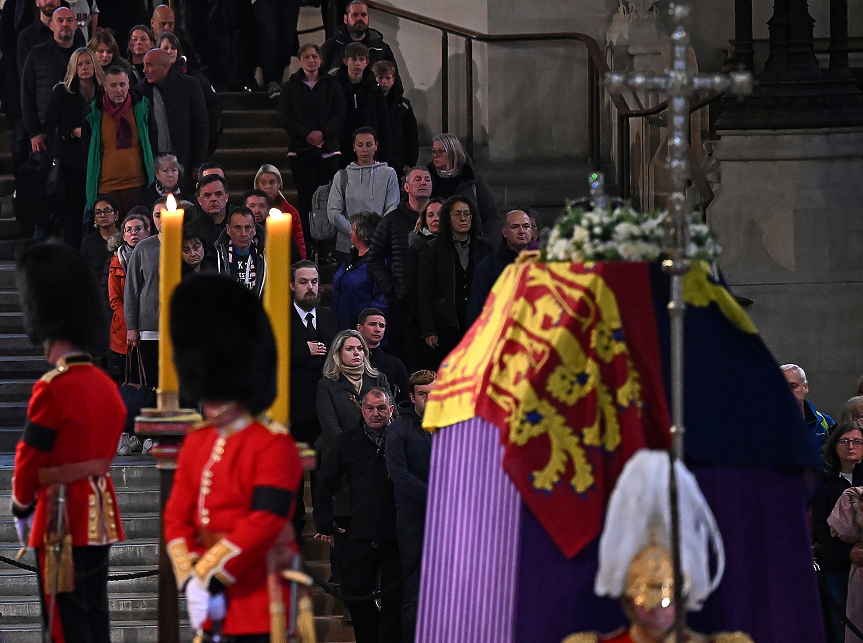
(167, 424)
(679, 83)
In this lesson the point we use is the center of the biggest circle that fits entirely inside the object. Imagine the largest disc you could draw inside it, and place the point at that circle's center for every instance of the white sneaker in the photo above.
(125, 445)
(146, 446)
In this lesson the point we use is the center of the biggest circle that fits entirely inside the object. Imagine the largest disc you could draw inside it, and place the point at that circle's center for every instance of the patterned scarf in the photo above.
(120, 113)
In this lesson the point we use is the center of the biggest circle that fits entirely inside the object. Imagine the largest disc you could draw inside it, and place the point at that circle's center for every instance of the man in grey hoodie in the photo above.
(370, 187)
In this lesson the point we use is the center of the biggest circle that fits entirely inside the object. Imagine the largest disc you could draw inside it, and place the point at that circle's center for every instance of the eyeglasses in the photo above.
(137, 228)
(104, 213)
(461, 214)
(845, 442)
(435, 152)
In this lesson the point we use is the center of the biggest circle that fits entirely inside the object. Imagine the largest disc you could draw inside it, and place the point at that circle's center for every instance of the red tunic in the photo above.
(75, 415)
(233, 494)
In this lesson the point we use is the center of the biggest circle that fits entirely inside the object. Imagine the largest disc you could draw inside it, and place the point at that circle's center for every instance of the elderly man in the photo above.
(238, 253)
(819, 423)
(117, 139)
(178, 112)
(517, 234)
(213, 204)
(357, 456)
(164, 20)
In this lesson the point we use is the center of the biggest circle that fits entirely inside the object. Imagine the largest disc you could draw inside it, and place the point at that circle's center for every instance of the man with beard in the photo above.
(312, 332)
(356, 29)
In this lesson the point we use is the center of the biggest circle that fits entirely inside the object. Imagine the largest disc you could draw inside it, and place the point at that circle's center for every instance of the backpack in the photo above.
(320, 226)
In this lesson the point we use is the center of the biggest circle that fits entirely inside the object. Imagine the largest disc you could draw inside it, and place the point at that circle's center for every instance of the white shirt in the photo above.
(303, 313)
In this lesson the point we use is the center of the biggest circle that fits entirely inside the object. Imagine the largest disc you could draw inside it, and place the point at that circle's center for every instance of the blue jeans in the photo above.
(409, 534)
(277, 27)
(837, 583)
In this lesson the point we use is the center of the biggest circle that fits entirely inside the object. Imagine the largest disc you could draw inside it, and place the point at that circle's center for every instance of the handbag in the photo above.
(136, 395)
(54, 183)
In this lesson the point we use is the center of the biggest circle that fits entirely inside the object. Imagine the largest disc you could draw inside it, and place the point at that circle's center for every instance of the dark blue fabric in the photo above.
(738, 408)
(354, 291)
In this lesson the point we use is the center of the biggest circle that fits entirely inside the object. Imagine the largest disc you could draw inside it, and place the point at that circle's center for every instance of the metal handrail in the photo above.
(596, 72)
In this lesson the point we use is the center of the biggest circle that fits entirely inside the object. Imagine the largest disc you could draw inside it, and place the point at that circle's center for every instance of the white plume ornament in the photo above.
(639, 508)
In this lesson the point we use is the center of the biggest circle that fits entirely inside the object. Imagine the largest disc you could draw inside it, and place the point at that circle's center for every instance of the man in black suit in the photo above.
(312, 332)
(178, 113)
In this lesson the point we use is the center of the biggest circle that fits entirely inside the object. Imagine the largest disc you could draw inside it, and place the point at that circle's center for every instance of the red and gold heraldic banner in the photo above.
(565, 361)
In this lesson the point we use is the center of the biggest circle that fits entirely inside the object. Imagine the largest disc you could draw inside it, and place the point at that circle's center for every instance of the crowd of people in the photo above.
(837, 506)
(113, 115)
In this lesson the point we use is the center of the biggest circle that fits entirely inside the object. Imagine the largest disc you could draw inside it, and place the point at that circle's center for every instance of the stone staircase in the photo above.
(133, 603)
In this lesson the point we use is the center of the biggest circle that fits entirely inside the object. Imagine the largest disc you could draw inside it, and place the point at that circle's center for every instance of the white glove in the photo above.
(197, 602)
(218, 607)
(23, 527)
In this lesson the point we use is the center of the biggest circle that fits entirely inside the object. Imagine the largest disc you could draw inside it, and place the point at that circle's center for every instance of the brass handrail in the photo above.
(596, 72)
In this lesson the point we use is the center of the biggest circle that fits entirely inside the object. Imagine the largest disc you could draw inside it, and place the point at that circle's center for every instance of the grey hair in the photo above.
(380, 391)
(333, 364)
(852, 410)
(793, 367)
(455, 153)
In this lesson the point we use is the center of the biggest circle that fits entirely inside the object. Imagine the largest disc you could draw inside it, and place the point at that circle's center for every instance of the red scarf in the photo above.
(119, 113)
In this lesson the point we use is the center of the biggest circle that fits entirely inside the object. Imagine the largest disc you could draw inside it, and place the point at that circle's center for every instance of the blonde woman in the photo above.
(63, 122)
(268, 179)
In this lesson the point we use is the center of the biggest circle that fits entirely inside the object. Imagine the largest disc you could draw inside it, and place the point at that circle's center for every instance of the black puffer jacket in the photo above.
(303, 110)
(388, 252)
(442, 305)
(404, 131)
(365, 106)
(333, 50)
(470, 185)
(45, 67)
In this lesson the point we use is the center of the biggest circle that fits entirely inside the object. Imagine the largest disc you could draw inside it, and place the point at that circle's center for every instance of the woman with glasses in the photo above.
(452, 174)
(444, 276)
(135, 228)
(63, 122)
(94, 247)
(843, 451)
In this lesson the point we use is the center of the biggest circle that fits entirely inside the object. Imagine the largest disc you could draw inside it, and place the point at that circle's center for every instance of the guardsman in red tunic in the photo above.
(62, 491)
(234, 486)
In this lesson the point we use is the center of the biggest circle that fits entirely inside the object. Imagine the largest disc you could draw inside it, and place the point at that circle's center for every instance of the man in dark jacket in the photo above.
(359, 456)
(45, 67)
(213, 204)
(356, 29)
(404, 131)
(178, 113)
(388, 252)
(408, 458)
(240, 253)
(312, 331)
(517, 233)
(372, 324)
(365, 104)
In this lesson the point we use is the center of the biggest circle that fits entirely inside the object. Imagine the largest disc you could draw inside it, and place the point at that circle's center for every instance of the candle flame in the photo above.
(276, 213)
(171, 203)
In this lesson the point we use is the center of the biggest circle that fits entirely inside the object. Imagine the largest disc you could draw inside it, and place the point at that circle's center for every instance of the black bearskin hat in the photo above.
(60, 298)
(224, 347)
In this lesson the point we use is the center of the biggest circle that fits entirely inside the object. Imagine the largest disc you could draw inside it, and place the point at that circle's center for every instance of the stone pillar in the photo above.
(790, 222)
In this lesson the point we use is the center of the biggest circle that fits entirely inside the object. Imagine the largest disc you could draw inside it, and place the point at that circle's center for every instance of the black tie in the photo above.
(310, 321)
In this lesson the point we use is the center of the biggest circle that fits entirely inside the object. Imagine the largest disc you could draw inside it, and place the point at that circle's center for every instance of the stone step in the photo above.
(250, 118)
(141, 553)
(12, 413)
(9, 227)
(7, 184)
(19, 389)
(244, 158)
(265, 137)
(22, 366)
(246, 101)
(123, 607)
(7, 275)
(9, 438)
(136, 525)
(9, 300)
(137, 473)
(121, 632)
(11, 322)
(19, 582)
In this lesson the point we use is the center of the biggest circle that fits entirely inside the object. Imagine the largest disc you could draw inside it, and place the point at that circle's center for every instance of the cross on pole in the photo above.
(679, 83)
